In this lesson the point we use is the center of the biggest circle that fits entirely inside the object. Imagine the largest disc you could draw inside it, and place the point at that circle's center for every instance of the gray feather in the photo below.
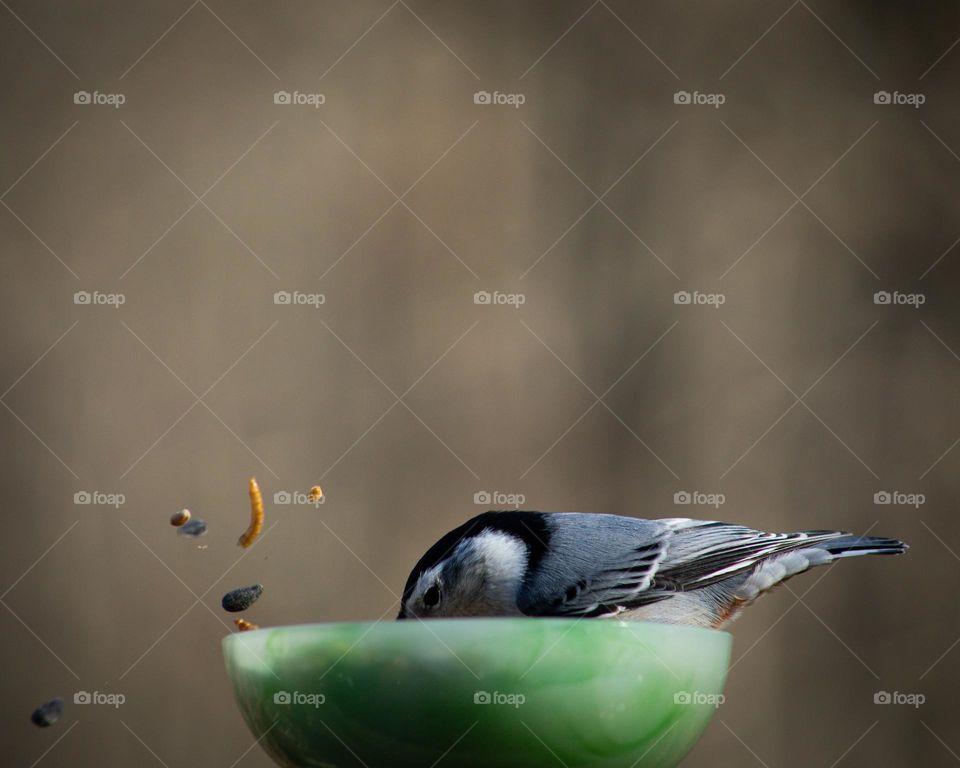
(601, 565)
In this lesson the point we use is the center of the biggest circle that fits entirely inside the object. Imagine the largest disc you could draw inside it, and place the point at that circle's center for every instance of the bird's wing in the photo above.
(606, 589)
(701, 553)
(606, 565)
(597, 565)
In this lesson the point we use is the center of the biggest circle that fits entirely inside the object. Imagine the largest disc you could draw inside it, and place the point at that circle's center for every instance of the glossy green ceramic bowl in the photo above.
(484, 693)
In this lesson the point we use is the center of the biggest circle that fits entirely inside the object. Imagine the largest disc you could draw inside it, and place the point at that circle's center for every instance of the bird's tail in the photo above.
(821, 548)
(849, 545)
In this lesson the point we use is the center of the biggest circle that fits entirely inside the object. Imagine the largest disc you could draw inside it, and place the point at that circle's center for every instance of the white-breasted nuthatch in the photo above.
(674, 570)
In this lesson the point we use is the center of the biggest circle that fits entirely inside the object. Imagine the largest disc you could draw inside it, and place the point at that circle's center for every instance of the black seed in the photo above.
(194, 528)
(242, 598)
(47, 714)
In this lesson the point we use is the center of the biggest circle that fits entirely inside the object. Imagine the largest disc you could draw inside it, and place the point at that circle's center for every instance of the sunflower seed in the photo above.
(193, 528)
(47, 714)
(242, 598)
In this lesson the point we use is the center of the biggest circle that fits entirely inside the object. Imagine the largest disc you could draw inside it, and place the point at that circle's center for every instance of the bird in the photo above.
(583, 565)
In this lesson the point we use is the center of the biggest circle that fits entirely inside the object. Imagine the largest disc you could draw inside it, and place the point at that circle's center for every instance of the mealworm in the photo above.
(316, 493)
(179, 518)
(256, 515)
(245, 626)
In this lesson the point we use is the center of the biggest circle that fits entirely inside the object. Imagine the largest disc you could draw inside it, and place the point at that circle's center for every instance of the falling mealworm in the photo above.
(245, 626)
(316, 493)
(256, 515)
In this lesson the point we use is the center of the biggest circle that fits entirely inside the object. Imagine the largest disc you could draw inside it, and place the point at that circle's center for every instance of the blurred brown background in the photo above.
(404, 398)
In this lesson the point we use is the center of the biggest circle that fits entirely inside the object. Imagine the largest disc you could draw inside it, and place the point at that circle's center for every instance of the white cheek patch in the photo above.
(505, 556)
(504, 559)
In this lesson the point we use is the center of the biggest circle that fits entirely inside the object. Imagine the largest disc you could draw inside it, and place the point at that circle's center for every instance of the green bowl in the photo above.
(481, 693)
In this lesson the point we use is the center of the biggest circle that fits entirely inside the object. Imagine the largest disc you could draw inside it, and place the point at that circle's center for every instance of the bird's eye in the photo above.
(431, 597)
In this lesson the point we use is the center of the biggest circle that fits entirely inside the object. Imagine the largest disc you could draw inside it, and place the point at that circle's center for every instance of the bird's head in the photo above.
(476, 573)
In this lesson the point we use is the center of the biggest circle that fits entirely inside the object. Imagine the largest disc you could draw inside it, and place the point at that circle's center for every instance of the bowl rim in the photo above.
(407, 626)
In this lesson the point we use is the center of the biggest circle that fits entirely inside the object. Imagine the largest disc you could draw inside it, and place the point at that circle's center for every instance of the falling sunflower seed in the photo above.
(242, 598)
(47, 714)
(193, 528)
